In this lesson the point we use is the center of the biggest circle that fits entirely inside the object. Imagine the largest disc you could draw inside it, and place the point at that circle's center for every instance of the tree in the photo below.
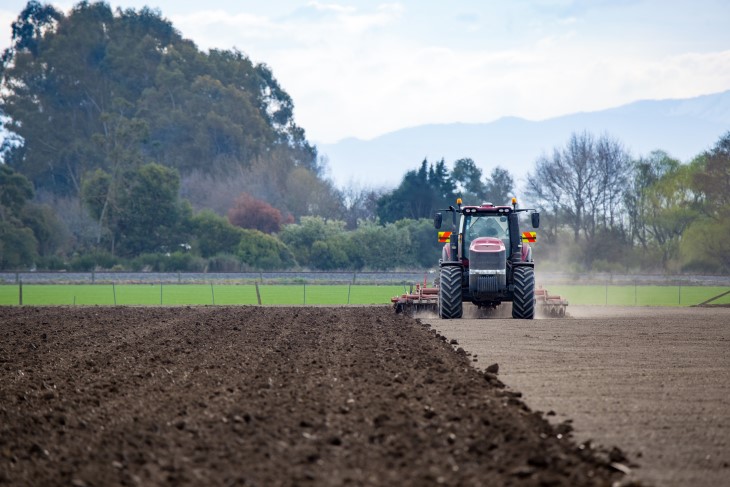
(143, 212)
(712, 178)
(424, 249)
(28, 29)
(645, 172)
(214, 234)
(18, 244)
(75, 87)
(580, 182)
(301, 239)
(500, 187)
(468, 178)
(419, 195)
(706, 244)
(360, 203)
(15, 191)
(152, 218)
(378, 247)
(671, 207)
(329, 254)
(49, 232)
(258, 250)
(248, 212)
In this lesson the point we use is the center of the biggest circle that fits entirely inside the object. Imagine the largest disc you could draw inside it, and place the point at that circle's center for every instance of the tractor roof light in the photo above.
(458, 201)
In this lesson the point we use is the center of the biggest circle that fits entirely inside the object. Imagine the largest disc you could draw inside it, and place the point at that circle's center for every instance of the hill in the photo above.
(683, 128)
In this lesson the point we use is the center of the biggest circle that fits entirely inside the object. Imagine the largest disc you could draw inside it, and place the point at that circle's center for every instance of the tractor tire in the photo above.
(523, 301)
(450, 299)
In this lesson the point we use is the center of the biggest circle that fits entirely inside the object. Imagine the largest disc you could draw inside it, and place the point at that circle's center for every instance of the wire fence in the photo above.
(330, 288)
(279, 277)
(341, 277)
(165, 294)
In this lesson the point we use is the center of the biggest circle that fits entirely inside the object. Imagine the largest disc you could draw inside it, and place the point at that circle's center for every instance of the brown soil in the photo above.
(655, 381)
(263, 396)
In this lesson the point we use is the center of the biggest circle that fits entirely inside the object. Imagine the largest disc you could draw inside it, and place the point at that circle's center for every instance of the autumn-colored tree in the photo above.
(249, 212)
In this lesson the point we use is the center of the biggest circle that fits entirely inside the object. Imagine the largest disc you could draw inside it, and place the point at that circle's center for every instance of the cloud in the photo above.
(331, 7)
(363, 69)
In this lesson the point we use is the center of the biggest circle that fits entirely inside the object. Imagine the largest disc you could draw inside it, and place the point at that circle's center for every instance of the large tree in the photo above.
(95, 88)
(419, 195)
(143, 210)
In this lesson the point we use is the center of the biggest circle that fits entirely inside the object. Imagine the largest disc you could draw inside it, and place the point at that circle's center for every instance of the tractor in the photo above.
(485, 261)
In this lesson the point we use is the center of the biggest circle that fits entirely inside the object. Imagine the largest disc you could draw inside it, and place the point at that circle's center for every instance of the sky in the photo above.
(365, 68)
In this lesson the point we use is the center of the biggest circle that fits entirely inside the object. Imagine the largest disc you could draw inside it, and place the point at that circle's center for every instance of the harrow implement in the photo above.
(422, 298)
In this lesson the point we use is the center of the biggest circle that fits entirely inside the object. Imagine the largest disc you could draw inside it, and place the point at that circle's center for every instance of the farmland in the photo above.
(263, 396)
(324, 294)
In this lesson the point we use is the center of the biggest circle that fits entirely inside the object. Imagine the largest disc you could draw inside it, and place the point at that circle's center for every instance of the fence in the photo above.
(106, 277)
(339, 277)
(197, 294)
(329, 288)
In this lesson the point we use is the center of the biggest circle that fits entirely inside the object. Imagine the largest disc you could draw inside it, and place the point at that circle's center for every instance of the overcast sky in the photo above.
(363, 68)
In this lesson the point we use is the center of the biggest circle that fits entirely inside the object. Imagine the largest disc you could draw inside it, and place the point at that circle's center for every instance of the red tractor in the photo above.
(485, 261)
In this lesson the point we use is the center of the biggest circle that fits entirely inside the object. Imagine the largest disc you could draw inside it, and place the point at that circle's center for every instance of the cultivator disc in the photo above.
(420, 299)
(550, 305)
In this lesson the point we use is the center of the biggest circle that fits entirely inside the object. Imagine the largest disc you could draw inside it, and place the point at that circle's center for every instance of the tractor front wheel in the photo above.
(450, 299)
(523, 301)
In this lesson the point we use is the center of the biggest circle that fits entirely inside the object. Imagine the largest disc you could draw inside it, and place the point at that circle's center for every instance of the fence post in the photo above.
(20, 293)
(258, 294)
(349, 290)
(93, 277)
(212, 293)
(680, 293)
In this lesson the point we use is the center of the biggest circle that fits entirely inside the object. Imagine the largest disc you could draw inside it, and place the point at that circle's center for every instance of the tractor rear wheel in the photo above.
(523, 301)
(450, 299)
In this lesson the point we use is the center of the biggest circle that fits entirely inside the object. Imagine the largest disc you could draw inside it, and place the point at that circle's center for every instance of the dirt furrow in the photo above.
(262, 396)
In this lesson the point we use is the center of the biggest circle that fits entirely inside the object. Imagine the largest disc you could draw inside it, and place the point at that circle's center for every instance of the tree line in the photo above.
(605, 211)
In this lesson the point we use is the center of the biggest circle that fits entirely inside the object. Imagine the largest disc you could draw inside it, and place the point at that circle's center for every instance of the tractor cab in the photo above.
(484, 260)
(484, 222)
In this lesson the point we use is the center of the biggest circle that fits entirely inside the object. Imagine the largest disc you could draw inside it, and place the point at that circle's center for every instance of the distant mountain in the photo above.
(683, 128)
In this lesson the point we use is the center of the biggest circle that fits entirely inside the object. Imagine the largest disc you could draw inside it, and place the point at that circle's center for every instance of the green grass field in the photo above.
(195, 294)
(205, 294)
(640, 295)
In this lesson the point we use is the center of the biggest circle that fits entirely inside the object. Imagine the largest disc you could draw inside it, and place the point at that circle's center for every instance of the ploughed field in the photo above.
(264, 396)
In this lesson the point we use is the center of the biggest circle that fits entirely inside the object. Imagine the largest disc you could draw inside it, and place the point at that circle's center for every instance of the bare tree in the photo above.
(615, 168)
(583, 183)
(361, 203)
